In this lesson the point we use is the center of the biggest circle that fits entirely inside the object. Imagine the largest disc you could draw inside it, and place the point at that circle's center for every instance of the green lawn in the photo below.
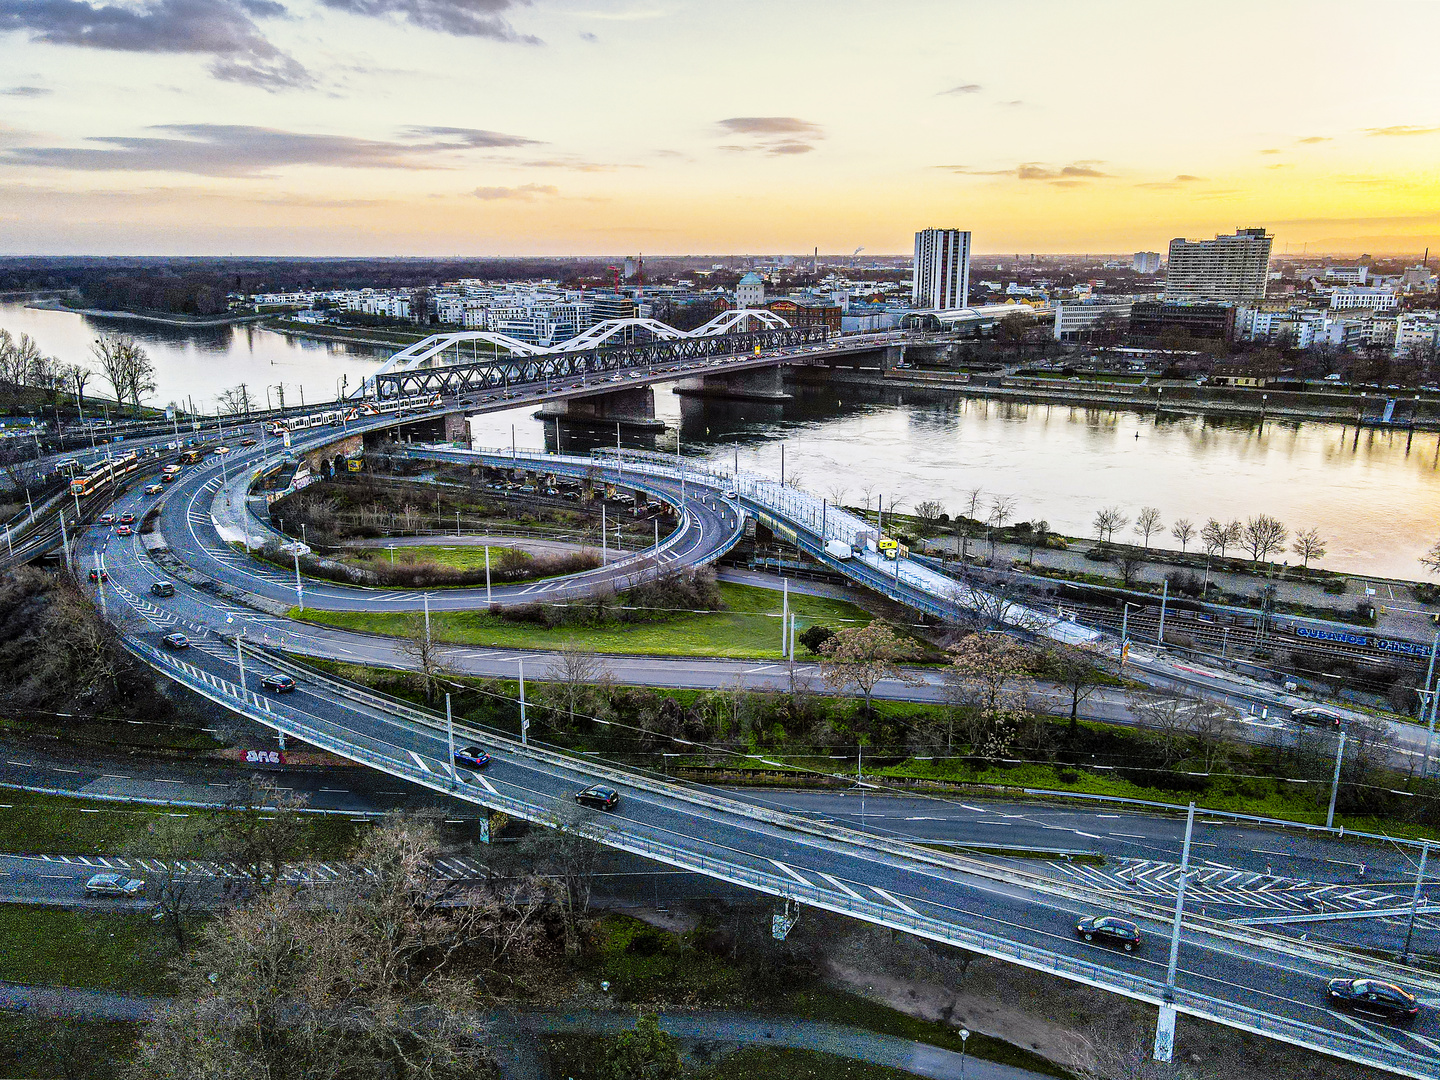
(460, 558)
(46, 946)
(55, 825)
(36, 1047)
(749, 629)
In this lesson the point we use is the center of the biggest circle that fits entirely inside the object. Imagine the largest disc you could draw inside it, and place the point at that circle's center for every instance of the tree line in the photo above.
(120, 359)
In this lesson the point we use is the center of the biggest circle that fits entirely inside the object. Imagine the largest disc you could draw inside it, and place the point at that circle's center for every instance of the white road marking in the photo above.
(1368, 1031)
(842, 886)
(894, 900)
(419, 760)
(485, 784)
(787, 870)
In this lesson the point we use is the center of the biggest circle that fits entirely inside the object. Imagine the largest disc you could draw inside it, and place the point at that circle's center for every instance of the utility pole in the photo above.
(1335, 783)
(524, 721)
(1165, 1025)
(426, 598)
(1428, 704)
(1415, 901)
(1164, 597)
(784, 612)
(450, 734)
(299, 588)
(487, 576)
(64, 544)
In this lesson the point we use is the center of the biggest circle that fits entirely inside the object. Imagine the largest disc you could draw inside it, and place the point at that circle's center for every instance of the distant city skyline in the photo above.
(500, 127)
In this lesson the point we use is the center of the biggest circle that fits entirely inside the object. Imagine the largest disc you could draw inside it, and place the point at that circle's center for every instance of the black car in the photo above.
(1109, 929)
(601, 798)
(176, 641)
(473, 757)
(1316, 717)
(277, 684)
(1371, 996)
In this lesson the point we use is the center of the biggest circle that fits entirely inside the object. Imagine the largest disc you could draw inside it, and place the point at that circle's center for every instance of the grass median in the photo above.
(749, 628)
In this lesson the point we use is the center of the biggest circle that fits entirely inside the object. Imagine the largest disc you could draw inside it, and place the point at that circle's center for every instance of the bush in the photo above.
(1100, 553)
(1424, 591)
(814, 637)
(1337, 586)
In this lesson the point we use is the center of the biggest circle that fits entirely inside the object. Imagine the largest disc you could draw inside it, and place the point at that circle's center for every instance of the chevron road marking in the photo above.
(894, 900)
(419, 760)
(842, 887)
(485, 783)
(791, 873)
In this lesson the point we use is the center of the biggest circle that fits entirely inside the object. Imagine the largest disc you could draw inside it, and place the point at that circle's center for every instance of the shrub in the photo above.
(815, 636)
(1337, 586)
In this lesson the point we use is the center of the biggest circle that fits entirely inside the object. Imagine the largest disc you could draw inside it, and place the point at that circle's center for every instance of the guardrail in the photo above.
(1202, 1006)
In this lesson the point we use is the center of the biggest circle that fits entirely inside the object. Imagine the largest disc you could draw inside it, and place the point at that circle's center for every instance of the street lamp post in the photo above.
(1335, 783)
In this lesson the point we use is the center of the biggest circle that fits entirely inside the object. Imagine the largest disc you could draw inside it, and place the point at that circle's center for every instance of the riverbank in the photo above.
(396, 340)
(135, 316)
(1410, 410)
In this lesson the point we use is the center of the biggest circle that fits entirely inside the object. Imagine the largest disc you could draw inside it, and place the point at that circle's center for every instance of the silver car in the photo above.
(114, 885)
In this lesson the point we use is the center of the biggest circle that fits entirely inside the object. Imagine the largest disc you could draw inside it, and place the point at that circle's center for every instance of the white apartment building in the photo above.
(942, 270)
(285, 299)
(1234, 268)
(1074, 319)
(1145, 262)
(1360, 296)
(1347, 275)
(1417, 335)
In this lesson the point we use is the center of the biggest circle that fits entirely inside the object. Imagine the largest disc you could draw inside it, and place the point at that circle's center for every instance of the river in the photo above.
(201, 363)
(1374, 495)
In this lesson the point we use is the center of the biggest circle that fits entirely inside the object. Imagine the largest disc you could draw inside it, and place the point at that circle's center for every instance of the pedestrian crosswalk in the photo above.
(1224, 886)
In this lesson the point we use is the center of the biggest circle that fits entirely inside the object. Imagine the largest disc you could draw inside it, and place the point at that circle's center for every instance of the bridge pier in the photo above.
(630, 407)
(755, 384)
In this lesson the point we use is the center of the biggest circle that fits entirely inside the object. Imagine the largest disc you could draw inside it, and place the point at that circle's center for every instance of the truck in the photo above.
(837, 549)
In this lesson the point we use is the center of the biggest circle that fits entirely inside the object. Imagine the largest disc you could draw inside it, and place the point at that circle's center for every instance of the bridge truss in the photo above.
(499, 372)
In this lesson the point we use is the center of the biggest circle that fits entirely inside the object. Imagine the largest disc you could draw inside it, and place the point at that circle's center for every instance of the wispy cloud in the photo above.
(1170, 185)
(222, 29)
(1272, 150)
(1072, 175)
(525, 192)
(246, 152)
(573, 165)
(462, 18)
(771, 134)
(1311, 140)
(963, 88)
(26, 91)
(1402, 129)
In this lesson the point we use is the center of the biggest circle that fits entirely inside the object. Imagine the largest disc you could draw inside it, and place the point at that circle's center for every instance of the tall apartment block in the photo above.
(942, 270)
(1146, 262)
(1233, 268)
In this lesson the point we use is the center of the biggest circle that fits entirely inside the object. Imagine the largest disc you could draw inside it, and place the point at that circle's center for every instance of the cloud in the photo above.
(1430, 218)
(247, 152)
(573, 165)
(1071, 175)
(222, 29)
(1270, 151)
(525, 192)
(783, 135)
(1402, 129)
(586, 35)
(1171, 185)
(471, 138)
(1311, 140)
(462, 18)
(26, 91)
(963, 88)
(1012, 104)
(770, 125)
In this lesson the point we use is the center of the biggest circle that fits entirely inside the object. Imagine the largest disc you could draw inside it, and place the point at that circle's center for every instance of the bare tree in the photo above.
(1309, 544)
(858, 657)
(1002, 509)
(567, 852)
(1108, 1055)
(236, 400)
(927, 518)
(1183, 531)
(260, 832)
(1431, 559)
(1217, 536)
(126, 366)
(1234, 533)
(417, 646)
(1129, 562)
(576, 680)
(1264, 535)
(175, 844)
(1147, 523)
(363, 976)
(1081, 669)
(1039, 537)
(1108, 521)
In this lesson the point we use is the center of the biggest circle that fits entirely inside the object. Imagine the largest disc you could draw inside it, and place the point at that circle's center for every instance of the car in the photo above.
(127, 518)
(162, 588)
(99, 575)
(105, 519)
(123, 530)
(473, 757)
(1374, 997)
(248, 442)
(175, 642)
(1111, 930)
(1315, 716)
(153, 489)
(598, 796)
(277, 684)
(115, 885)
(732, 494)
(168, 478)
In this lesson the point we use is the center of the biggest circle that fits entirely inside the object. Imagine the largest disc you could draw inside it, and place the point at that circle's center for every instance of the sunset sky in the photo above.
(494, 127)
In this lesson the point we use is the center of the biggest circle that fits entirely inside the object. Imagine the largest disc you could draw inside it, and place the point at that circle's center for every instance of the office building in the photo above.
(1361, 296)
(1233, 268)
(1076, 320)
(1152, 320)
(942, 270)
(750, 292)
(1145, 262)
